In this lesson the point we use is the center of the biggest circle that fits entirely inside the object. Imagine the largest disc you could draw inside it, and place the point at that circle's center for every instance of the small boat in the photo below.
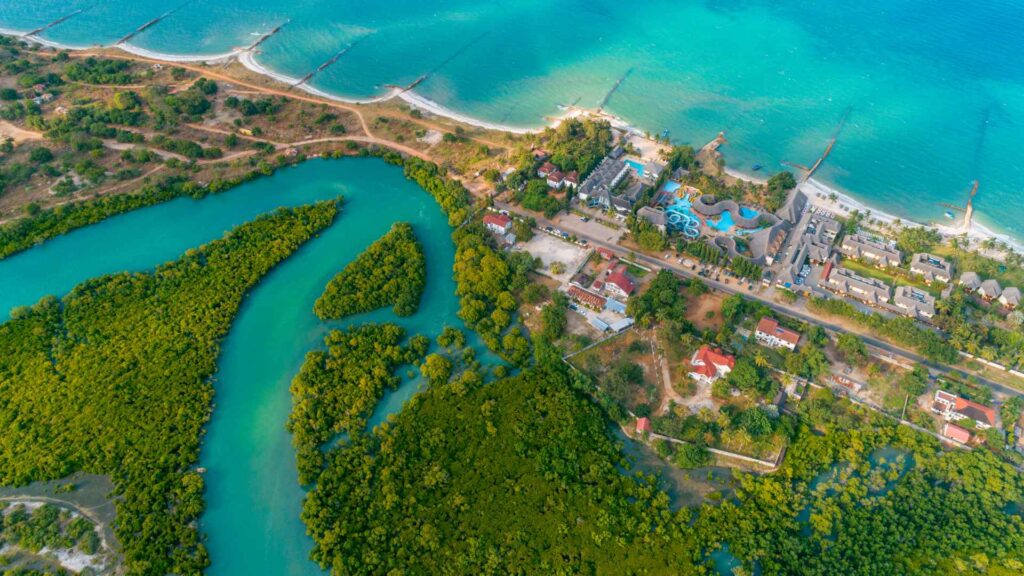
(664, 133)
(756, 167)
(949, 215)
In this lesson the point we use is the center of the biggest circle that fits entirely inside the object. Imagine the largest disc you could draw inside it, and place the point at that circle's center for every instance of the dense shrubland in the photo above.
(391, 272)
(115, 378)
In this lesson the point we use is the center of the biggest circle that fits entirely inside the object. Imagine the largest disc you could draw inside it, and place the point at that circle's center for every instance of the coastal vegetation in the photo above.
(114, 378)
(516, 476)
(646, 235)
(337, 388)
(901, 330)
(46, 526)
(577, 144)
(392, 271)
(777, 190)
(856, 494)
(486, 279)
(859, 494)
(41, 225)
(535, 196)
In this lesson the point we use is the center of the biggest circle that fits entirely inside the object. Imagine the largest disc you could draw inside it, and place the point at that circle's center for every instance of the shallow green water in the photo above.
(253, 499)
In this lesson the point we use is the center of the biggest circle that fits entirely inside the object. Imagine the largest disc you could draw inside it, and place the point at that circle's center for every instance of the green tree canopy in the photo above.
(392, 270)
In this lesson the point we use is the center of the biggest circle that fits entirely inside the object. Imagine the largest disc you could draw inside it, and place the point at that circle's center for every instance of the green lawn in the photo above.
(985, 267)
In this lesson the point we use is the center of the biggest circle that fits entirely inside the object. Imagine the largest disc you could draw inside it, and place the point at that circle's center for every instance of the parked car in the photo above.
(548, 228)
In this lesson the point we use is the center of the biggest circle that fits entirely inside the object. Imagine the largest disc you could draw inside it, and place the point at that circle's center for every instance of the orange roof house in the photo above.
(709, 364)
(773, 335)
(643, 425)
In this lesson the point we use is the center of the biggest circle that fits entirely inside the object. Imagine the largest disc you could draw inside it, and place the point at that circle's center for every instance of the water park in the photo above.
(686, 209)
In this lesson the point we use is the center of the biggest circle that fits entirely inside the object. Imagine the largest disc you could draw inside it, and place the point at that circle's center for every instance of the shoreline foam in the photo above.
(978, 232)
(145, 53)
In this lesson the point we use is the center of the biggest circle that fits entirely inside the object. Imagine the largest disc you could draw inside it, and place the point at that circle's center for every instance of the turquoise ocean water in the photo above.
(253, 498)
(936, 87)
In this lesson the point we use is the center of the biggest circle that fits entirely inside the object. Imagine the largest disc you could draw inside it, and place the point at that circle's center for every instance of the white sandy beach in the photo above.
(208, 58)
(817, 192)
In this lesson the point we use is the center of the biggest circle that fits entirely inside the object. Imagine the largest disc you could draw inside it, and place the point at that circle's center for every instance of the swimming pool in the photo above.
(636, 166)
(724, 224)
(671, 186)
(682, 218)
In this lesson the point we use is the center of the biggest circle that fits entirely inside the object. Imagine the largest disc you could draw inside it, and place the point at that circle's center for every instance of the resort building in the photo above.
(990, 289)
(860, 246)
(954, 408)
(597, 188)
(652, 171)
(620, 204)
(709, 364)
(498, 223)
(772, 335)
(810, 243)
(931, 268)
(956, 433)
(654, 216)
(1010, 297)
(815, 248)
(870, 290)
(765, 244)
(794, 207)
(619, 283)
(545, 169)
(540, 154)
(913, 302)
(633, 191)
(970, 281)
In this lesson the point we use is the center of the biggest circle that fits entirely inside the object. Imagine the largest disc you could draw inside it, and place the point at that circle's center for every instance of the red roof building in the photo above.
(709, 364)
(556, 179)
(956, 433)
(773, 335)
(983, 416)
(953, 407)
(643, 425)
(618, 282)
(605, 253)
(540, 154)
(572, 179)
(587, 298)
(498, 223)
(545, 169)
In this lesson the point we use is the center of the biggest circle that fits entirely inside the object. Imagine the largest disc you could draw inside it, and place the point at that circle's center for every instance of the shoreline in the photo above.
(247, 58)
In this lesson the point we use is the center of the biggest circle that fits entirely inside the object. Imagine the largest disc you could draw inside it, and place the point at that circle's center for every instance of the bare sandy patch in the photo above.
(19, 135)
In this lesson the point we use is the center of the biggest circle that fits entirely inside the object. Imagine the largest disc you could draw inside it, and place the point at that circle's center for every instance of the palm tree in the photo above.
(760, 360)
(988, 353)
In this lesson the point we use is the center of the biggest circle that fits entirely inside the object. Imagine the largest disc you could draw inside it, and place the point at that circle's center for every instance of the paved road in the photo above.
(796, 311)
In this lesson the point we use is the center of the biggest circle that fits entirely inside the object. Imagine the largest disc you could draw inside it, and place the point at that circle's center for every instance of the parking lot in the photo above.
(574, 224)
(551, 249)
